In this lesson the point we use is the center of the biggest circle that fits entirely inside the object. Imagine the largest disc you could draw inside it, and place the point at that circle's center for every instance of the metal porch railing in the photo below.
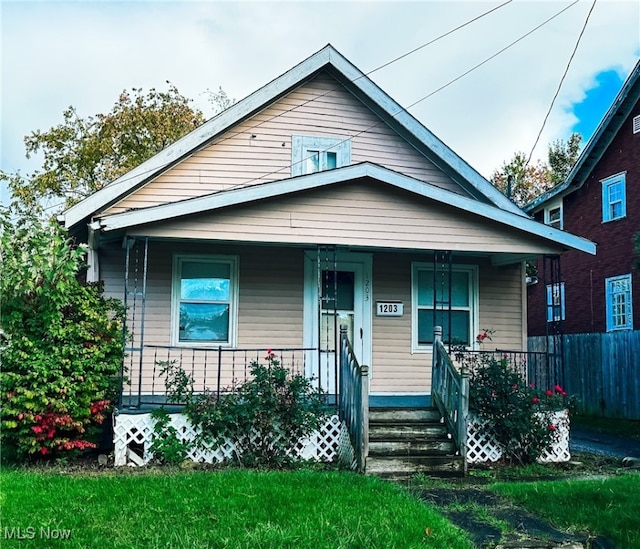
(216, 369)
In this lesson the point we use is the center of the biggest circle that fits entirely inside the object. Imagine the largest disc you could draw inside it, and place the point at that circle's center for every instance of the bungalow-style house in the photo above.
(317, 201)
(585, 294)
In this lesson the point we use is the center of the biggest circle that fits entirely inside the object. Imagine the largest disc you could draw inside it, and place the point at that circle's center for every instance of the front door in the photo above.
(336, 293)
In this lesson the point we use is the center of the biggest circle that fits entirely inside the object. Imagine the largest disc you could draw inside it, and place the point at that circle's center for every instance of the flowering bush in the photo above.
(516, 415)
(265, 416)
(63, 348)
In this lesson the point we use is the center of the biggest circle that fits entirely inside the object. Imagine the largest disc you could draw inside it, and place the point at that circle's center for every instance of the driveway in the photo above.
(596, 442)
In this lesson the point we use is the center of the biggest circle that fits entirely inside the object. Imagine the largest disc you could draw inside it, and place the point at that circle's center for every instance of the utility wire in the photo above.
(566, 70)
(315, 98)
(405, 109)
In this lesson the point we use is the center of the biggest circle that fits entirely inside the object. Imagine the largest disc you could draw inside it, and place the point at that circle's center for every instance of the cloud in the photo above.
(83, 54)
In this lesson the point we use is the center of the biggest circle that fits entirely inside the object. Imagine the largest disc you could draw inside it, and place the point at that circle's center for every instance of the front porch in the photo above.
(390, 441)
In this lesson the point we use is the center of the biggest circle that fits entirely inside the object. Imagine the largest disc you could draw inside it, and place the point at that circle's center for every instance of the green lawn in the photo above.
(229, 508)
(609, 506)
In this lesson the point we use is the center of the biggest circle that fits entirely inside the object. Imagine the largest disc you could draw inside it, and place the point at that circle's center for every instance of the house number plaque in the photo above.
(389, 308)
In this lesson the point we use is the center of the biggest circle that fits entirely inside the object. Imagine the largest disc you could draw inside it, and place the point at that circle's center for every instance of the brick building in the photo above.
(599, 200)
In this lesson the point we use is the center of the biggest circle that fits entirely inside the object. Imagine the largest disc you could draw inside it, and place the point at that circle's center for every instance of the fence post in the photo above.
(364, 415)
(463, 417)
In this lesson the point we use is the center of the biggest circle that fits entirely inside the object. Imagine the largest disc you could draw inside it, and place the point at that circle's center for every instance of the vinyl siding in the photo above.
(259, 149)
(363, 213)
(270, 312)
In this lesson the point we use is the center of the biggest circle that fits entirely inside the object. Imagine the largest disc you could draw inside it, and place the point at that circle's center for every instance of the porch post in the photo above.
(364, 402)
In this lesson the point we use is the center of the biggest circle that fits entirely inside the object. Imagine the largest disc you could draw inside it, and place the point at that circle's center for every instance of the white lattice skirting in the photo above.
(133, 433)
(482, 448)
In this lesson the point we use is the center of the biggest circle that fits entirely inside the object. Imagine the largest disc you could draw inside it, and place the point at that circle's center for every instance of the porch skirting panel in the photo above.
(482, 448)
(133, 436)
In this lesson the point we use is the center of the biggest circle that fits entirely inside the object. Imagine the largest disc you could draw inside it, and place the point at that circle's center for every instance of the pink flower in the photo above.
(549, 392)
(535, 400)
(552, 427)
(558, 389)
(564, 393)
(514, 386)
(44, 450)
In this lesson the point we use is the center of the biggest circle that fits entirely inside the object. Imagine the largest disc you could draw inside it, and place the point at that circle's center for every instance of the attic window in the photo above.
(553, 215)
(636, 124)
(311, 154)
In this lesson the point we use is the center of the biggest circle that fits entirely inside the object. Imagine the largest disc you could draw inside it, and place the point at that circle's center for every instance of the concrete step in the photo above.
(414, 447)
(410, 431)
(403, 467)
(404, 415)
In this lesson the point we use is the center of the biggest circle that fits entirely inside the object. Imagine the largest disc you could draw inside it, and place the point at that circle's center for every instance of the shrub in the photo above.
(166, 446)
(63, 348)
(264, 417)
(511, 411)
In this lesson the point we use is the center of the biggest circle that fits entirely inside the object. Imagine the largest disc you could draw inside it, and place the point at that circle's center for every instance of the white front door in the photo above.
(340, 294)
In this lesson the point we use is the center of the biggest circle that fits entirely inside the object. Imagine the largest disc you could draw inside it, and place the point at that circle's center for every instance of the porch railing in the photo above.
(353, 400)
(216, 369)
(533, 367)
(450, 393)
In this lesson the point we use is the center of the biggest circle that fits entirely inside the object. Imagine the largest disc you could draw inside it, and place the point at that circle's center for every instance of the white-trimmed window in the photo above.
(555, 302)
(614, 198)
(464, 304)
(636, 124)
(310, 154)
(204, 300)
(553, 215)
(618, 303)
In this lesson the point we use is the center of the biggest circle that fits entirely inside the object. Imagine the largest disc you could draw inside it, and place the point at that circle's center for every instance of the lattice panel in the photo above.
(482, 448)
(133, 435)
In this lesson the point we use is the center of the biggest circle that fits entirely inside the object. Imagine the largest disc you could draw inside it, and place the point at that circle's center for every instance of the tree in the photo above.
(81, 155)
(62, 344)
(531, 180)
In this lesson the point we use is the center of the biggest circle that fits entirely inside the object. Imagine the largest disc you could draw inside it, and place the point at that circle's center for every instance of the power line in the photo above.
(315, 98)
(566, 70)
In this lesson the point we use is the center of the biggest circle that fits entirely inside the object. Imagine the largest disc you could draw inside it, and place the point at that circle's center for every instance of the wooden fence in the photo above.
(601, 369)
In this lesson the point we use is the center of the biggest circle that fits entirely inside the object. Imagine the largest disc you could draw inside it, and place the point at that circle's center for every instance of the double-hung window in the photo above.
(555, 302)
(204, 301)
(618, 303)
(310, 154)
(459, 307)
(553, 215)
(614, 198)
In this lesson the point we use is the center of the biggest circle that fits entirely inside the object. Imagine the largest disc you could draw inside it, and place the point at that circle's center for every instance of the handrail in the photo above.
(450, 392)
(353, 400)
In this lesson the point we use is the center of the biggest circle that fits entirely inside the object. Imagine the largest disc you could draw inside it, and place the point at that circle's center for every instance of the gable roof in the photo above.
(244, 195)
(606, 131)
(328, 58)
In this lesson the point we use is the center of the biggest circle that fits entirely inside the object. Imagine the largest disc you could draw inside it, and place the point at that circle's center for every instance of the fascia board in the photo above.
(273, 189)
(399, 115)
(194, 140)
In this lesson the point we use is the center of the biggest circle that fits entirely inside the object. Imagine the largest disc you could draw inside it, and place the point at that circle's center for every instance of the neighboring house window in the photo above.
(614, 199)
(204, 300)
(553, 215)
(636, 124)
(555, 302)
(311, 154)
(464, 300)
(618, 303)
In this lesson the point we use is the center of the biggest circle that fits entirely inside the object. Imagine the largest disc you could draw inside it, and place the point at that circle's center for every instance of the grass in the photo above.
(229, 508)
(621, 427)
(608, 507)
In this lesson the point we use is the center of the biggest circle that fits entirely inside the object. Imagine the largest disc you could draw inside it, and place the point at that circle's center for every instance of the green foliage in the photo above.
(265, 416)
(63, 348)
(531, 180)
(512, 412)
(81, 155)
(166, 446)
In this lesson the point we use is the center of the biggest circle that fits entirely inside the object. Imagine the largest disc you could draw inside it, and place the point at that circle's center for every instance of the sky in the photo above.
(84, 53)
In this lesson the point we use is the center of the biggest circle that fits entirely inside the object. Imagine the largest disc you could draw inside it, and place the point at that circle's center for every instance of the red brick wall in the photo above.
(583, 274)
